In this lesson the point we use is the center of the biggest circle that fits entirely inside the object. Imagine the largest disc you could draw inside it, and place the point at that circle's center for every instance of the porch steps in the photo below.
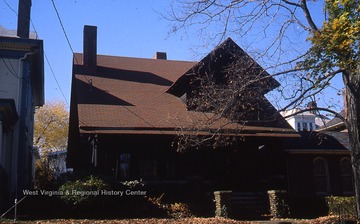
(249, 205)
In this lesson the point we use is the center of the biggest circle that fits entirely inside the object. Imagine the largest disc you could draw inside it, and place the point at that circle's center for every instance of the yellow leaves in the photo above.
(338, 39)
(51, 126)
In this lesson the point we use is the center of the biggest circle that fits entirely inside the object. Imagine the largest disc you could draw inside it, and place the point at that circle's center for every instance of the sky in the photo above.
(124, 28)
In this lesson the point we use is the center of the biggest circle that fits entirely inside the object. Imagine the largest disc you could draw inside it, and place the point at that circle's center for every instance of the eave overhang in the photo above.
(17, 48)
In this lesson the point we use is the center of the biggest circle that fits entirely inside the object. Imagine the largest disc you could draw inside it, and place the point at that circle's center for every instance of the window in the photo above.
(346, 175)
(298, 126)
(321, 176)
(310, 126)
(305, 127)
(170, 169)
(149, 169)
(125, 165)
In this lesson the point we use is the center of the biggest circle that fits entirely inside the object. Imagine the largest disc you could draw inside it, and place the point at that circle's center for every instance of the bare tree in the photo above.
(305, 45)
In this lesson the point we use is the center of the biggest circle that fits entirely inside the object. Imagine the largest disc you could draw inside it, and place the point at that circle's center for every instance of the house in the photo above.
(57, 162)
(126, 115)
(21, 91)
(307, 120)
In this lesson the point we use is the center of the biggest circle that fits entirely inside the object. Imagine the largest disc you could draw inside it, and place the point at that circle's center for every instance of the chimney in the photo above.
(312, 105)
(23, 26)
(90, 46)
(160, 55)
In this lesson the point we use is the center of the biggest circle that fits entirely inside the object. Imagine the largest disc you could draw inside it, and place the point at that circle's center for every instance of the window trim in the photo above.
(346, 175)
(325, 175)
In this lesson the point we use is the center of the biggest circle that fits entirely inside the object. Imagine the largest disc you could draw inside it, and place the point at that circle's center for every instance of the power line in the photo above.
(66, 36)
(51, 69)
(12, 71)
(8, 5)
(62, 26)
(72, 50)
(53, 74)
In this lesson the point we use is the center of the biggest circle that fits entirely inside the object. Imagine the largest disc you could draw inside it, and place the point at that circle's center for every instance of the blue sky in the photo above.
(125, 28)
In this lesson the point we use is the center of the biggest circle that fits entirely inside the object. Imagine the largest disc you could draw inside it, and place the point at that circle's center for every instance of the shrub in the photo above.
(44, 174)
(179, 210)
(82, 193)
(343, 206)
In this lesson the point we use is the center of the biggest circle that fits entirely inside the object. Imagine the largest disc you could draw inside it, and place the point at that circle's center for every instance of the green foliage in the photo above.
(132, 184)
(336, 43)
(83, 193)
(346, 206)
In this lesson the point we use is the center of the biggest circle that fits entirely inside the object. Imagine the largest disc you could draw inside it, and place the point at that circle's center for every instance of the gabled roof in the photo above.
(126, 95)
(219, 60)
(335, 124)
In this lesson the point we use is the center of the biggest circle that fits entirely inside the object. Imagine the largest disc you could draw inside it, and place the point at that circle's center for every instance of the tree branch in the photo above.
(308, 16)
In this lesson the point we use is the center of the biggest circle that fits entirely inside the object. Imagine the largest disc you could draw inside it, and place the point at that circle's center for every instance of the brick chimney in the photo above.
(160, 55)
(312, 105)
(23, 26)
(90, 47)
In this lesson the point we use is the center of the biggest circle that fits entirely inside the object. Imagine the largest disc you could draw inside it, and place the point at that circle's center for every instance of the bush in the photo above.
(83, 193)
(179, 210)
(343, 206)
(44, 174)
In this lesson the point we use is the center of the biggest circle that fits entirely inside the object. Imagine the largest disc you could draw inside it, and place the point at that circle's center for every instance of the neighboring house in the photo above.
(126, 113)
(321, 160)
(335, 124)
(57, 162)
(322, 155)
(305, 121)
(21, 91)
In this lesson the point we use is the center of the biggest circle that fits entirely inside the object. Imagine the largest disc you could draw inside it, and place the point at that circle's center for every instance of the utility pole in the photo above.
(23, 26)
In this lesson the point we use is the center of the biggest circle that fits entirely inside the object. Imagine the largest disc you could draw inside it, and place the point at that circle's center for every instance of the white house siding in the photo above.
(20, 61)
(15, 84)
(10, 80)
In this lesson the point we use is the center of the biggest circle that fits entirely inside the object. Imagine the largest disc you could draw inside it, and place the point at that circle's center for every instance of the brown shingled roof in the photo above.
(219, 60)
(128, 95)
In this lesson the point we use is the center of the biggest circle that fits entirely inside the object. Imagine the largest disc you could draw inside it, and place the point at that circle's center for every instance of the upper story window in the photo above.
(305, 126)
(298, 126)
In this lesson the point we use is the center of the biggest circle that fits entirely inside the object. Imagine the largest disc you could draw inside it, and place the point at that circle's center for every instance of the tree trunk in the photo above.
(352, 84)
